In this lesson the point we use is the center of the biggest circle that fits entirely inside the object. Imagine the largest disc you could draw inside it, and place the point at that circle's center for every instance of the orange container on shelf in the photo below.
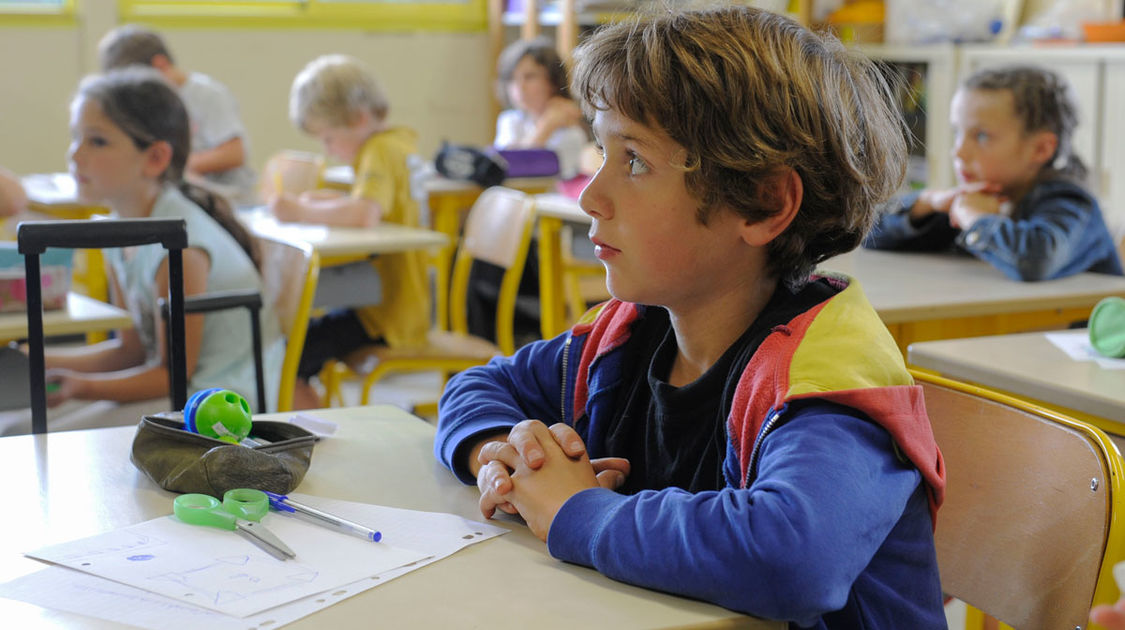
(859, 22)
(1095, 32)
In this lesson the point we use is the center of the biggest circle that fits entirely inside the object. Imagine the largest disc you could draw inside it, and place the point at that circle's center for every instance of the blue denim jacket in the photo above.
(1056, 230)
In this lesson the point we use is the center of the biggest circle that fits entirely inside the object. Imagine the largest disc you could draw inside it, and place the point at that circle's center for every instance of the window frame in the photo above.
(19, 14)
(387, 15)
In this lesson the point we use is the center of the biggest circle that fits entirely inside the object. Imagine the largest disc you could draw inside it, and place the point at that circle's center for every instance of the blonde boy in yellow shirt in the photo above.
(338, 101)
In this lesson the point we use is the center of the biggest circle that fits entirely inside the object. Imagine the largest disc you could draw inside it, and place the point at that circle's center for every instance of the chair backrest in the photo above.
(291, 171)
(497, 231)
(1028, 530)
(289, 275)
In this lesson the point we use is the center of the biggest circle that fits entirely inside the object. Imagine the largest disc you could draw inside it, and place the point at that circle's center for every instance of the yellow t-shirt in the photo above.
(381, 174)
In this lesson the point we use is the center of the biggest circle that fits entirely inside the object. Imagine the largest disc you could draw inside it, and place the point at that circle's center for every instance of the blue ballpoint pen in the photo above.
(283, 503)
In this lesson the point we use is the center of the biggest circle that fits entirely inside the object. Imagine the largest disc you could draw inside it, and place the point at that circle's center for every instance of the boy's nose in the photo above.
(592, 201)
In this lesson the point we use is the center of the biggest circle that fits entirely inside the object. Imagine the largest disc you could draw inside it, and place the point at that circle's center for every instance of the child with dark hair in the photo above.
(130, 139)
(220, 146)
(533, 83)
(1021, 202)
(730, 426)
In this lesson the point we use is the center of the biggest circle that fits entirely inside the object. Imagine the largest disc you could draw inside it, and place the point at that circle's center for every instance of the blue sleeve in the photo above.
(495, 397)
(829, 491)
(1046, 243)
(895, 231)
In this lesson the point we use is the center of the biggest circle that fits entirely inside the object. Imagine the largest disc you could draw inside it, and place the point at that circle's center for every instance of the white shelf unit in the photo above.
(940, 80)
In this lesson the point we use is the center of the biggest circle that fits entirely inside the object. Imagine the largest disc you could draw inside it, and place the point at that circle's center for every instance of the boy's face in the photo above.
(530, 86)
(105, 163)
(645, 228)
(990, 144)
(343, 143)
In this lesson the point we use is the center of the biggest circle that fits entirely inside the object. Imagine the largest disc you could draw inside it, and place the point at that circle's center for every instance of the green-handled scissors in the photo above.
(240, 510)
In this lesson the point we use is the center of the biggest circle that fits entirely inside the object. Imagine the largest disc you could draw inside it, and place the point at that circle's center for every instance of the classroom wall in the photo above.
(437, 82)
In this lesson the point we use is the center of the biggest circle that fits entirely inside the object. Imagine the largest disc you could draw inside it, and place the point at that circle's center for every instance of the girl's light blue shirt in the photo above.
(226, 354)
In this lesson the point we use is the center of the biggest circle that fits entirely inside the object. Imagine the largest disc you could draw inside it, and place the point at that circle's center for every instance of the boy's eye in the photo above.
(637, 166)
(981, 136)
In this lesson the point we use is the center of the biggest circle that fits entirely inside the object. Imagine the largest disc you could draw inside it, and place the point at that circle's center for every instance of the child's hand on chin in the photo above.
(969, 207)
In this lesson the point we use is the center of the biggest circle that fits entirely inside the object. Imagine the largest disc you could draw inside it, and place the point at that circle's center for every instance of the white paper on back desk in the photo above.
(231, 576)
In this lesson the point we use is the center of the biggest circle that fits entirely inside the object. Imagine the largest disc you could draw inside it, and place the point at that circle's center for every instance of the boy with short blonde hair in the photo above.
(730, 427)
(220, 146)
(337, 100)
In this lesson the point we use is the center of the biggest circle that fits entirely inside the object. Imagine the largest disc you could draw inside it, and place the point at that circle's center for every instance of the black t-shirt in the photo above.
(676, 437)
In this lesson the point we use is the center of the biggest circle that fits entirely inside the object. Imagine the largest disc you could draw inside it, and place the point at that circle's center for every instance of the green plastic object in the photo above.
(246, 503)
(240, 503)
(219, 413)
(1107, 327)
(200, 509)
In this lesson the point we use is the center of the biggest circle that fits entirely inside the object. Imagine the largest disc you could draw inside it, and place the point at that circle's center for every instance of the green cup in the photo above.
(1107, 327)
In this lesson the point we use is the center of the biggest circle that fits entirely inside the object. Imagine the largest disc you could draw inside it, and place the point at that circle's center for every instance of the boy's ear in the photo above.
(788, 191)
(361, 118)
(157, 158)
(1043, 146)
(160, 62)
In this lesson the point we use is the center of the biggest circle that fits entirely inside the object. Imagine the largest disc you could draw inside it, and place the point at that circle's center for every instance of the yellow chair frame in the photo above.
(497, 230)
(292, 302)
(1030, 529)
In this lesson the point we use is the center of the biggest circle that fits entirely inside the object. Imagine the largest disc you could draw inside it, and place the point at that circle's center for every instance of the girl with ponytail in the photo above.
(130, 139)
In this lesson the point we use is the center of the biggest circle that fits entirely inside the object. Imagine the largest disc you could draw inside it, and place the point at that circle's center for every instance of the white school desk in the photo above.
(82, 315)
(74, 484)
(55, 196)
(339, 245)
(1029, 366)
(946, 296)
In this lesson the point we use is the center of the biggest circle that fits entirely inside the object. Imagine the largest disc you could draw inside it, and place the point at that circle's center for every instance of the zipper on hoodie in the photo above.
(770, 424)
(562, 385)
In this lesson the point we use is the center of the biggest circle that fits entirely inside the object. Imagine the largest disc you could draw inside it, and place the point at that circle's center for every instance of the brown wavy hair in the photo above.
(750, 94)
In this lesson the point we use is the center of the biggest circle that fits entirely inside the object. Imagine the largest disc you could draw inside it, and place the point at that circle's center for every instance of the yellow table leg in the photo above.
(552, 305)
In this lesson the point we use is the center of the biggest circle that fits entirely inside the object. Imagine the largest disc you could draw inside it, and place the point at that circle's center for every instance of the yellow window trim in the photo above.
(370, 16)
(21, 14)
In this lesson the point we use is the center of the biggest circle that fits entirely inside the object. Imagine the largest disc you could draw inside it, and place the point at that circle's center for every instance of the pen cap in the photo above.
(1107, 327)
(218, 413)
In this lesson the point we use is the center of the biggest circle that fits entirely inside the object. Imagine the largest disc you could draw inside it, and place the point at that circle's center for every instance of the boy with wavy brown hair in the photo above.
(730, 426)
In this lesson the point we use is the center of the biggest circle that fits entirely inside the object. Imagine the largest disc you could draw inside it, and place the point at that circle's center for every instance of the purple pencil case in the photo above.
(530, 162)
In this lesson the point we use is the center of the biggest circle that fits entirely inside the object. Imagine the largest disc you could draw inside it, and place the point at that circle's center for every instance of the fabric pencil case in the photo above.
(530, 162)
(182, 461)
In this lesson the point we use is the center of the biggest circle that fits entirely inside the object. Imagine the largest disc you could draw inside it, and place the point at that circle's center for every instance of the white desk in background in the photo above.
(339, 245)
(70, 485)
(922, 297)
(1030, 367)
(81, 315)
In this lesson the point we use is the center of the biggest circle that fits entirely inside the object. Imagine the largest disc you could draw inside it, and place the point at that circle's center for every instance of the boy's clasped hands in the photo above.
(537, 469)
(964, 204)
